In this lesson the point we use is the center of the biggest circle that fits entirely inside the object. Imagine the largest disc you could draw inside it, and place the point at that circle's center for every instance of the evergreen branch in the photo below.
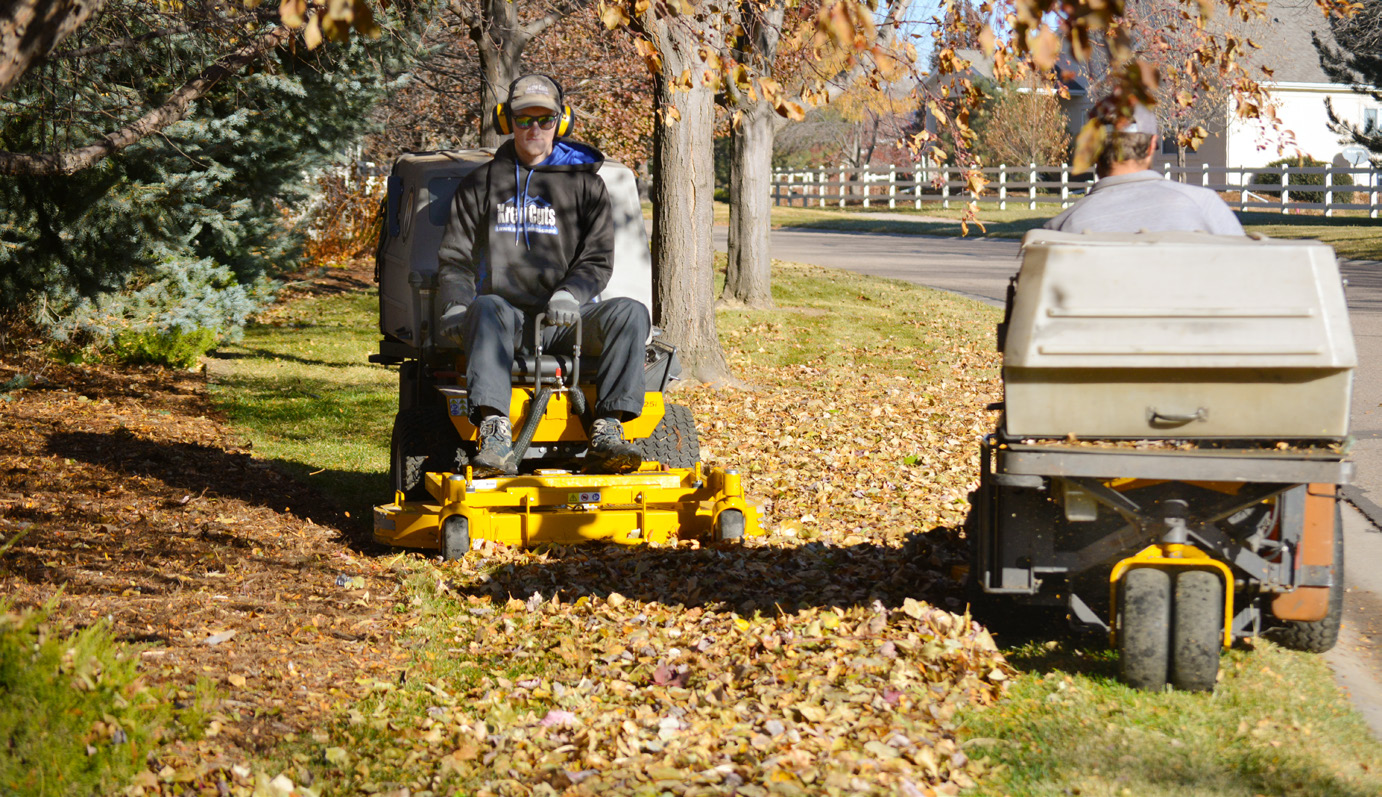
(134, 41)
(31, 29)
(177, 106)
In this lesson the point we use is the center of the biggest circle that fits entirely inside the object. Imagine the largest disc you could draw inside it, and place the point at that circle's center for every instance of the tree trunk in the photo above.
(683, 189)
(499, 41)
(748, 277)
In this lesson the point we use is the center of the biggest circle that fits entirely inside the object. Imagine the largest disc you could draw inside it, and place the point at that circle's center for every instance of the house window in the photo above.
(1370, 120)
(1168, 146)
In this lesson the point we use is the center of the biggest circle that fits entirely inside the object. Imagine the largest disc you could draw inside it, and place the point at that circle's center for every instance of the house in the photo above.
(1298, 86)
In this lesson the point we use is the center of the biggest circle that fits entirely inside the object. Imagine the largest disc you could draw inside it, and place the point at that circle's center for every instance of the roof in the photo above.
(1283, 37)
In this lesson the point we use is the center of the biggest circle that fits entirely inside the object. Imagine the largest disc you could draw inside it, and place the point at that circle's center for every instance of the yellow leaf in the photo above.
(293, 12)
(1088, 144)
(741, 624)
(236, 680)
(769, 89)
(1192, 139)
(1046, 49)
(614, 16)
(987, 40)
(335, 25)
(312, 36)
(711, 59)
(790, 110)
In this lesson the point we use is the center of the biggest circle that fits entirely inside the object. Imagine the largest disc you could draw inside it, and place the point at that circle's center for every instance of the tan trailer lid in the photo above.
(1177, 300)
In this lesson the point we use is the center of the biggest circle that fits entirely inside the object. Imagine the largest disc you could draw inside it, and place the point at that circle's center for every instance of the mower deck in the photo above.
(651, 504)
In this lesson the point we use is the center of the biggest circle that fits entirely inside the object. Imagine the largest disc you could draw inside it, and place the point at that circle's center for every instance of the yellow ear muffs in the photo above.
(565, 122)
(502, 119)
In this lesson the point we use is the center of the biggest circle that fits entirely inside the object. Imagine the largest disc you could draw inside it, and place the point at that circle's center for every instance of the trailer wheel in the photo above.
(455, 538)
(1320, 635)
(673, 443)
(729, 526)
(1197, 630)
(423, 441)
(1144, 632)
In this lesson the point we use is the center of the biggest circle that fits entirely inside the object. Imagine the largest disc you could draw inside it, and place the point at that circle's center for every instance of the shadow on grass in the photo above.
(768, 580)
(246, 353)
(941, 229)
(198, 470)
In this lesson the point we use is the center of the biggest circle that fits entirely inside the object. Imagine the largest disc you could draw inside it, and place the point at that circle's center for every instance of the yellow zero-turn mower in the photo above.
(438, 503)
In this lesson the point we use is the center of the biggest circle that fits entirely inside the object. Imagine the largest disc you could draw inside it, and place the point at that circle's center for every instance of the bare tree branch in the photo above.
(173, 109)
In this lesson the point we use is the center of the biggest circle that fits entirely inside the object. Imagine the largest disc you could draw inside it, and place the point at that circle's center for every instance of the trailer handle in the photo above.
(1155, 416)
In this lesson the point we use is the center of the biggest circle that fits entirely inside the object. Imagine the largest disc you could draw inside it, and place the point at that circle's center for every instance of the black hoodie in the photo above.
(563, 238)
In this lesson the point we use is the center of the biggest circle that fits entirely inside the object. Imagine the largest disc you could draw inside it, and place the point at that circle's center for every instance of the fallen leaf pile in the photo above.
(827, 657)
(120, 490)
(836, 685)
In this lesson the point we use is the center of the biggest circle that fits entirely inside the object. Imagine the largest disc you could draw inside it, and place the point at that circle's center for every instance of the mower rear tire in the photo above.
(673, 443)
(455, 538)
(729, 526)
(1321, 635)
(1197, 630)
(424, 441)
(1144, 632)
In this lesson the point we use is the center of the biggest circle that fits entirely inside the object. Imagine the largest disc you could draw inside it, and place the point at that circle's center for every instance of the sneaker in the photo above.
(496, 448)
(609, 449)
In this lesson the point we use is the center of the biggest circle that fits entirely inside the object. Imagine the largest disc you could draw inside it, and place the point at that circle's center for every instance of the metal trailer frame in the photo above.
(1017, 551)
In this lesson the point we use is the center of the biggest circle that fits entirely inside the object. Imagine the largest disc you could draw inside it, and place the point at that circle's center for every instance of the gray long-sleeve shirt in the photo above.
(1146, 201)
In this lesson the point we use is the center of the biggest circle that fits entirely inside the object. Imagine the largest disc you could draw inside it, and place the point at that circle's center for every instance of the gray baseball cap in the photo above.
(1142, 121)
(534, 91)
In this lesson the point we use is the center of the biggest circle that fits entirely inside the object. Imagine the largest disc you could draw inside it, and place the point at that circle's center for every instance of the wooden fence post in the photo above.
(1002, 186)
(892, 185)
(1328, 192)
(1065, 185)
(1031, 186)
(1372, 194)
(945, 186)
(1285, 194)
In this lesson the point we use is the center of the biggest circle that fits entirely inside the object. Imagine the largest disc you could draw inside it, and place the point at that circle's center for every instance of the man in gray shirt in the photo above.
(1130, 197)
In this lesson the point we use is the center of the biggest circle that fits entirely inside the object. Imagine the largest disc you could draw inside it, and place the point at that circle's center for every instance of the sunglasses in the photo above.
(544, 122)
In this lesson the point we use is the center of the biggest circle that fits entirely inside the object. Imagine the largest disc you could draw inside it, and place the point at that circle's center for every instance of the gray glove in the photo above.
(563, 310)
(451, 326)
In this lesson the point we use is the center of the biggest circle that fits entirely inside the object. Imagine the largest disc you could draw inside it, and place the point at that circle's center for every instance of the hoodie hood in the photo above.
(567, 156)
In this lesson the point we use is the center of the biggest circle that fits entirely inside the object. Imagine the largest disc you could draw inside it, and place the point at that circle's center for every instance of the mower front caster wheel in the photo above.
(1144, 633)
(455, 538)
(729, 526)
(1171, 628)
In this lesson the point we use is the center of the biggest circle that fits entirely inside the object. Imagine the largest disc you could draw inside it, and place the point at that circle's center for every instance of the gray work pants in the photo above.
(615, 330)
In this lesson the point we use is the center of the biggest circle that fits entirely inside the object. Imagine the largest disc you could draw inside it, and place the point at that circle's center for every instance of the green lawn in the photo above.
(483, 673)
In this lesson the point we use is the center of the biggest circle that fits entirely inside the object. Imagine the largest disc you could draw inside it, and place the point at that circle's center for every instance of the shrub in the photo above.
(173, 347)
(75, 718)
(1293, 180)
(171, 318)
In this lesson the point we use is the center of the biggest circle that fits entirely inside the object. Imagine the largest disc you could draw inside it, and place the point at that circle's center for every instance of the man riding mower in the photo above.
(500, 275)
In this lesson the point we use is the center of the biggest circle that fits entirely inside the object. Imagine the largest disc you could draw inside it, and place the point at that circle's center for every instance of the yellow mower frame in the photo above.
(651, 504)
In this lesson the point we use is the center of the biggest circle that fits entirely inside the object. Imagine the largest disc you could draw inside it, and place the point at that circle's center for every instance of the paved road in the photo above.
(980, 268)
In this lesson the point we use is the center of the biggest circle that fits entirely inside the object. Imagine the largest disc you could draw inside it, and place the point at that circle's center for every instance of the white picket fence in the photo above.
(899, 186)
